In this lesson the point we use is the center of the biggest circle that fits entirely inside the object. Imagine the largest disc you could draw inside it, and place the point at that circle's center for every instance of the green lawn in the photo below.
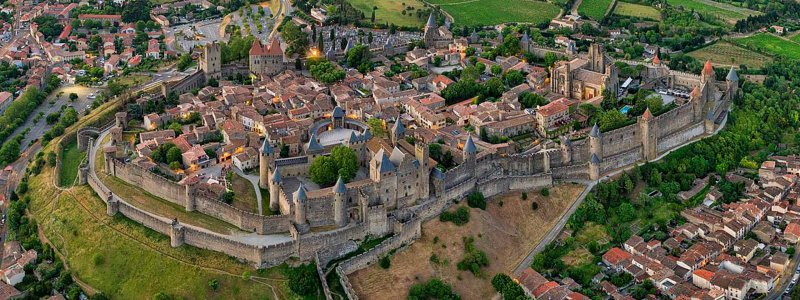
(724, 11)
(125, 260)
(724, 53)
(70, 161)
(637, 10)
(391, 11)
(594, 9)
(492, 12)
(768, 43)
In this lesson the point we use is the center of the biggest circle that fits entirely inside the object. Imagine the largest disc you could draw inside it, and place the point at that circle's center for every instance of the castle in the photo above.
(585, 79)
(267, 59)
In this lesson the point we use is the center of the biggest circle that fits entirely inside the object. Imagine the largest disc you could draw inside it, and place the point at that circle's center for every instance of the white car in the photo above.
(91, 96)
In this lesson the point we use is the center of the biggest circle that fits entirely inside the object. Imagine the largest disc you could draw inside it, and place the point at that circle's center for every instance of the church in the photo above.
(436, 36)
(585, 78)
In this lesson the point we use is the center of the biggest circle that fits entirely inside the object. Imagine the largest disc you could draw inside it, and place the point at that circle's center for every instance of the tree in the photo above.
(359, 57)
(295, 37)
(227, 197)
(513, 78)
(476, 200)
(432, 289)
(303, 280)
(136, 10)
(183, 62)
(325, 170)
(531, 100)
(376, 127)
(325, 71)
(385, 262)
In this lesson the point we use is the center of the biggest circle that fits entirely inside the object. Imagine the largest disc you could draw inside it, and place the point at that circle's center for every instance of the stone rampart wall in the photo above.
(674, 120)
(620, 160)
(621, 140)
(144, 218)
(676, 139)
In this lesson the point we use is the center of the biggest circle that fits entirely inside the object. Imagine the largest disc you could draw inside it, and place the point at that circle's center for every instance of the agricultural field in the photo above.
(125, 260)
(728, 13)
(768, 43)
(492, 12)
(506, 233)
(594, 9)
(724, 53)
(391, 11)
(637, 10)
(795, 38)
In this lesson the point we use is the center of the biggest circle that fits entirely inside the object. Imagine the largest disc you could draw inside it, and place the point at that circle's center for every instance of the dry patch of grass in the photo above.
(506, 233)
(245, 196)
(578, 257)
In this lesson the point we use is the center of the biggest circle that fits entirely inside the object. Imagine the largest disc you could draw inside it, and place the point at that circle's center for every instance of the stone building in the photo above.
(267, 59)
(436, 36)
(211, 60)
(585, 78)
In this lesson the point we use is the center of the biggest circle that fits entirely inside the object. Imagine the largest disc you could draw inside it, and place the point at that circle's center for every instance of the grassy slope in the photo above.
(771, 44)
(725, 53)
(637, 10)
(390, 11)
(71, 160)
(491, 12)
(245, 197)
(727, 12)
(128, 261)
(594, 9)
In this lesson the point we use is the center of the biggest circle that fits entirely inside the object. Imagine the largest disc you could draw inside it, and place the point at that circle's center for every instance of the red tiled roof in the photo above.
(616, 255)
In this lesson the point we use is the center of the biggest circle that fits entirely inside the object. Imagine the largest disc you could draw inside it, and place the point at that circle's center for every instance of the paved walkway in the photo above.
(254, 181)
(243, 237)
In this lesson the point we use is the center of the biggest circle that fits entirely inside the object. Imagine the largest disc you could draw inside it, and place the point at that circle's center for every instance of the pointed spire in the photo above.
(339, 187)
(696, 92)
(595, 131)
(313, 144)
(732, 76)
(276, 175)
(398, 128)
(431, 21)
(595, 159)
(266, 148)
(647, 116)
(300, 195)
(353, 137)
(337, 112)
(256, 48)
(525, 37)
(469, 146)
(708, 69)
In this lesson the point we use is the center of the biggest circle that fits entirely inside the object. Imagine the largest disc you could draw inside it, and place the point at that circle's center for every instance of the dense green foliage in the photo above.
(303, 280)
(474, 259)
(19, 110)
(434, 289)
(342, 162)
(325, 71)
(458, 217)
(49, 26)
(359, 58)
(506, 286)
(476, 200)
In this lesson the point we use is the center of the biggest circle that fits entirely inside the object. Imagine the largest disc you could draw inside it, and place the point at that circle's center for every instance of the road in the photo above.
(786, 278)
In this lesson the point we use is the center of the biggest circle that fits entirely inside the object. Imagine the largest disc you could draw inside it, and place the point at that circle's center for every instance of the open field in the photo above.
(132, 80)
(637, 10)
(768, 43)
(724, 53)
(506, 233)
(70, 161)
(391, 11)
(492, 12)
(594, 9)
(726, 12)
(245, 196)
(125, 260)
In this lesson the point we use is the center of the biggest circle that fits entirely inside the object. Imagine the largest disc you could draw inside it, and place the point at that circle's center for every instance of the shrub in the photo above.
(51, 159)
(476, 200)
(213, 284)
(303, 280)
(227, 197)
(432, 289)
(98, 259)
(524, 196)
(385, 262)
(459, 217)
(473, 259)
(535, 205)
(545, 192)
